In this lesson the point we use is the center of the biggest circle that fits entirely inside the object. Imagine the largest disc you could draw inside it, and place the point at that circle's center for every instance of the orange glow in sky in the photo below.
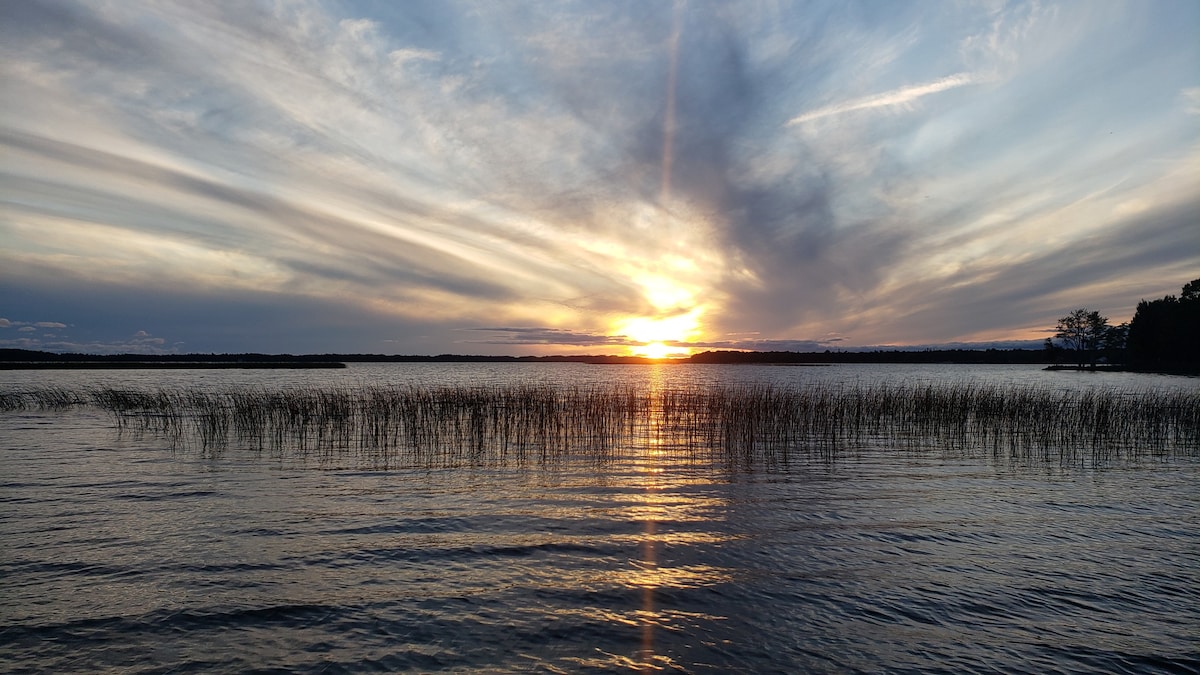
(658, 350)
(658, 338)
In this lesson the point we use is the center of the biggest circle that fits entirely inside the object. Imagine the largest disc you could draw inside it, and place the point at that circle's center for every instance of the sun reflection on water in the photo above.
(660, 503)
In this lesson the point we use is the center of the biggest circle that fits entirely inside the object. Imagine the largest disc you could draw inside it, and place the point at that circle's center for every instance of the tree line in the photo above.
(1163, 335)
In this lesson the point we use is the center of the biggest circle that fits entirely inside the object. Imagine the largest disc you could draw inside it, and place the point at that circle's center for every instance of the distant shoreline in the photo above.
(9, 358)
(1117, 368)
(163, 365)
(21, 359)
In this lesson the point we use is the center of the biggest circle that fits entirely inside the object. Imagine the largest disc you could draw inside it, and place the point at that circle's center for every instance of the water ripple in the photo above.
(880, 561)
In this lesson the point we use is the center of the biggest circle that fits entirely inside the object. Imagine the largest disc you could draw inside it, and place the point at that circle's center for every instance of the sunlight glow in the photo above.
(658, 350)
(658, 338)
(665, 293)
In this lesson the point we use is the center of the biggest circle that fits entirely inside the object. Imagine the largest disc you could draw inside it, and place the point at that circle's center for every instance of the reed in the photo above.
(46, 398)
(744, 424)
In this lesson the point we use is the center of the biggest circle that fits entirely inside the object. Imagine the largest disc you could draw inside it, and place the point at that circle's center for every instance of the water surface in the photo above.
(124, 554)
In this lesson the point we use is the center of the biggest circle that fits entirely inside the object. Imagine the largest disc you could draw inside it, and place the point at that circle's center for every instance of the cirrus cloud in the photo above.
(356, 176)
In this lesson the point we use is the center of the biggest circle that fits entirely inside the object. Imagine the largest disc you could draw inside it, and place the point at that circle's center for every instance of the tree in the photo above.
(1191, 291)
(1051, 350)
(1115, 340)
(1083, 332)
(1165, 334)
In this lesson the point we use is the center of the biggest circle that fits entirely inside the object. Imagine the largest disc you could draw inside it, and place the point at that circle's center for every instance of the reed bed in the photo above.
(742, 424)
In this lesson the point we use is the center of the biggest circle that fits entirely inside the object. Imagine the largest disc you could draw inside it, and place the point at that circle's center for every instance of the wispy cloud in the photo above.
(1191, 100)
(324, 176)
(902, 97)
(30, 325)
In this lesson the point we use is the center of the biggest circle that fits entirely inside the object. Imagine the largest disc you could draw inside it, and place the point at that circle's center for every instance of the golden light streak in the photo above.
(677, 309)
(669, 117)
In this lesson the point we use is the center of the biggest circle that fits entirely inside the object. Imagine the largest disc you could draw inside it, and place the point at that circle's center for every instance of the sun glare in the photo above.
(658, 350)
(660, 338)
(673, 281)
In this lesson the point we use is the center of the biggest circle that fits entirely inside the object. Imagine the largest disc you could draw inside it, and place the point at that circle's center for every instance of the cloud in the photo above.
(1117, 267)
(401, 57)
(143, 338)
(331, 176)
(767, 345)
(559, 337)
(536, 335)
(31, 325)
(61, 340)
(903, 96)
(1191, 100)
(108, 316)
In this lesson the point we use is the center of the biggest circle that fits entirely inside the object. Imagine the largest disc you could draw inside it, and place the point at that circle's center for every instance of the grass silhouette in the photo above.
(738, 424)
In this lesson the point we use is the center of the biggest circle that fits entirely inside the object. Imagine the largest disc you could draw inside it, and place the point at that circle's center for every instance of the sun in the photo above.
(658, 350)
(659, 338)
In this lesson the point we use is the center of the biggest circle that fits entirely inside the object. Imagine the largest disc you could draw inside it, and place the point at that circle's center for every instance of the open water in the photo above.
(124, 553)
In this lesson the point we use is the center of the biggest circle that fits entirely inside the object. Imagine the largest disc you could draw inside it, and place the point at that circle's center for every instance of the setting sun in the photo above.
(659, 338)
(658, 350)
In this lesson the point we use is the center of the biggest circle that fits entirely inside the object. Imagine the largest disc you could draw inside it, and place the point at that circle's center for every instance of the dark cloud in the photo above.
(82, 33)
(1039, 289)
(533, 335)
(768, 345)
(784, 230)
(108, 316)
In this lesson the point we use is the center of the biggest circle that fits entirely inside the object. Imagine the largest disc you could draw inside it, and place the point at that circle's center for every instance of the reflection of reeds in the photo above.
(732, 424)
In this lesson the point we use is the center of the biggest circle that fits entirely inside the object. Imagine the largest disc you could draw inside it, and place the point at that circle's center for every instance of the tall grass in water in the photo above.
(729, 424)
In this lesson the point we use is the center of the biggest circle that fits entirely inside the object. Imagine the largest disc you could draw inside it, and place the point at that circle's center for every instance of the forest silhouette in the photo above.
(1163, 336)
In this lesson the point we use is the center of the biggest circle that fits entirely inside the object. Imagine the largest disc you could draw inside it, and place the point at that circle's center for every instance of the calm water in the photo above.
(122, 554)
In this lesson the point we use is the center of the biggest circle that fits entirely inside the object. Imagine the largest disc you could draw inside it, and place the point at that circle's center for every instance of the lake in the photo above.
(130, 551)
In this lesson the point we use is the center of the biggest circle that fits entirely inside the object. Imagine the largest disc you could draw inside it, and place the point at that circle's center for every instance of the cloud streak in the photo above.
(902, 97)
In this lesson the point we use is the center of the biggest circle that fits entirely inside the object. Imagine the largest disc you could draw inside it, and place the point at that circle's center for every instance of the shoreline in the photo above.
(164, 365)
(1107, 368)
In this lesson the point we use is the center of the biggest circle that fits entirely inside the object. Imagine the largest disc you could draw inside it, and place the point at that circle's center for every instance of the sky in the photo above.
(643, 177)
